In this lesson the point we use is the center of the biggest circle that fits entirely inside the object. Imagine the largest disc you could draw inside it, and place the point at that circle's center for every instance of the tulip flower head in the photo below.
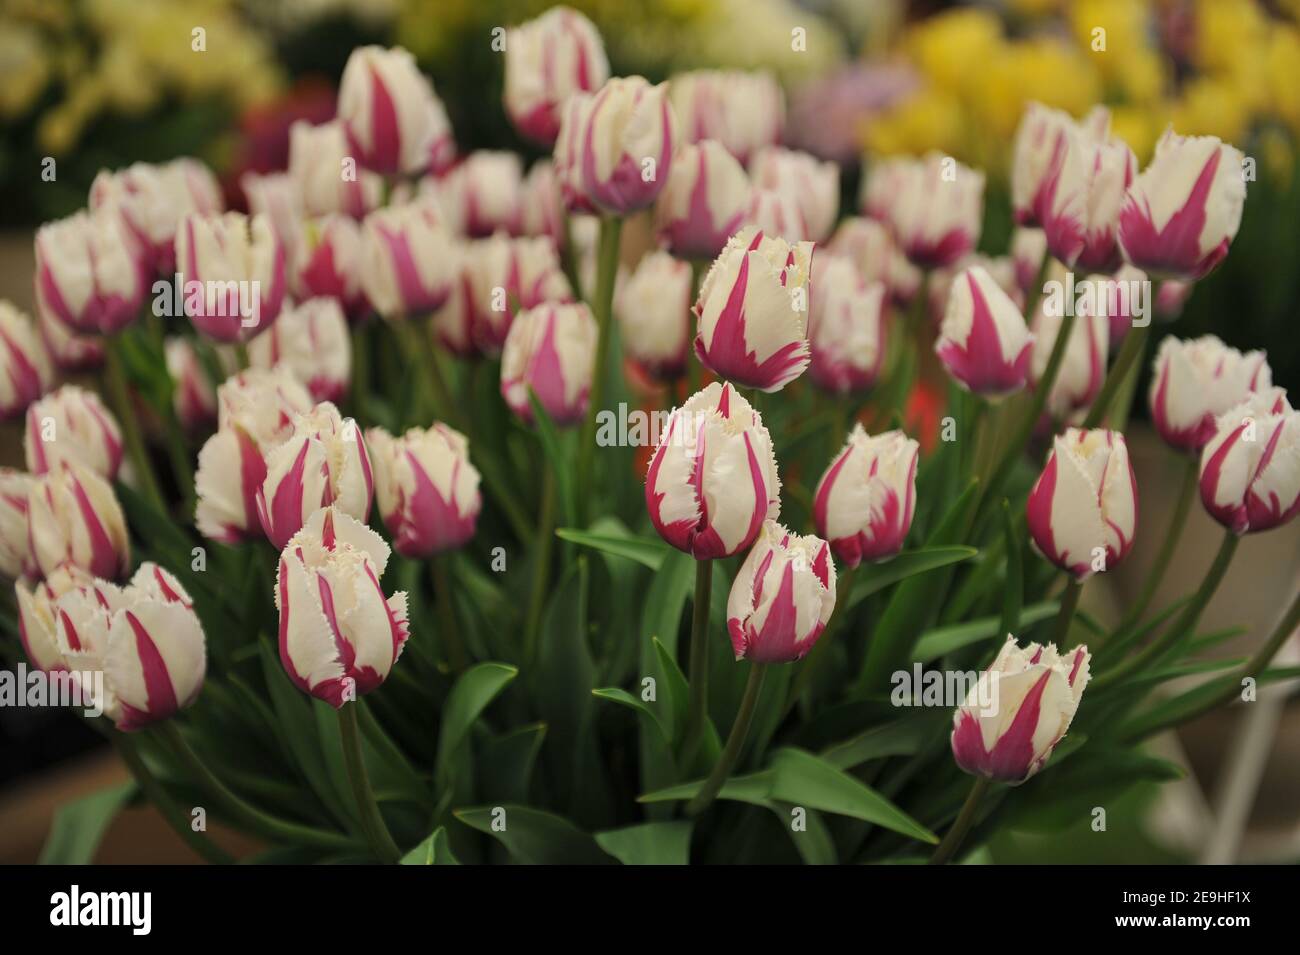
(864, 502)
(846, 330)
(1250, 468)
(782, 596)
(868, 244)
(38, 618)
(1081, 199)
(73, 517)
(1037, 692)
(89, 274)
(777, 215)
(318, 156)
(194, 400)
(937, 209)
(712, 480)
(1082, 510)
(393, 120)
(72, 424)
(241, 266)
(744, 111)
(707, 196)
(151, 201)
(653, 306)
(426, 487)
(329, 263)
(548, 60)
(484, 193)
(753, 311)
(1196, 380)
(26, 372)
(507, 276)
(339, 634)
(541, 203)
(813, 184)
(15, 554)
(1028, 246)
(1038, 152)
(310, 339)
(983, 341)
(409, 260)
(71, 352)
(551, 350)
(1083, 368)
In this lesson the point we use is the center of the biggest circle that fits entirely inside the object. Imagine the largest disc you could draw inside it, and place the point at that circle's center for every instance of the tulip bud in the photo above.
(1083, 368)
(983, 341)
(1082, 510)
(1195, 381)
(937, 211)
(1171, 296)
(311, 339)
(776, 214)
(541, 204)
(339, 635)
(551, 349)
(868, 245)
(1250, 468)
(880, 186)
(25, 372)
(329, 263)
(846, 327)
(1037, 152)
(1181, 214)
(941, 281)
(742, 111)
(1028, 246)
(704, 202)
(615, 146)
(507, 276)
(151, 201)
(72, 424)
(88, 274)
(242, 266)
(654, 306)
(70, 352)
(15, 555)
(194, 400)
(275, 195)
(393, 120)
(782, 596)
(409, 260)
(453, 324)
(1035, 693)
(548, 60)
(256, 410)
(73, 517)
(485, 192)
(426, 487)
(695, 491)
(753, 311)
(864, 502)
(815, 185)
(324, 462)
(1081, 200)
(38, 623)
(326, 175)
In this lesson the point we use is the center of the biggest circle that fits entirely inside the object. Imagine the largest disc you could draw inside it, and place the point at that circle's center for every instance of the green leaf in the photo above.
(807, 780)
(900, 738)
(650, 843)
(754, 789)
(1013, 596)
(943, 640)
(80, 825)
(477, 687)
(561, 463)
(1186, 705)
(534, 837)
(432, 851)
(645, 551)
(619, 695)
(506, 766)
(873, 578)
(674, 682)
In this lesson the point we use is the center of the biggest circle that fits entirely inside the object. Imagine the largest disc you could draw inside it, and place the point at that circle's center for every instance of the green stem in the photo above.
(452, 645)
(808, 666)
(360, 372)
(1129, 353)
(541, 566)
(1035, 293)
(371, 820)
(569, 258)
(242, 813)
(602, 307)
(697, 714)
(177, 446)
(735, 742)
(965, 819)
(444, 405)
(1186, 621)
(1173, 533)
(130, 423)
(1064, 616)
(241, 356)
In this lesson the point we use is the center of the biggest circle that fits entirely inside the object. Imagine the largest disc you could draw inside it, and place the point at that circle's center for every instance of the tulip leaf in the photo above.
(1176, 710)
(944, 640)
(1013, 593)
(434, 850)
(813, 842)
(561, 463)
(644, 550)
(506, 766)
(650, 843)
(673, 682)
(79, 826)
(469, 697)
(876, 577)
(755, 789)
(619, 695)
(902, 737)
(534, 837)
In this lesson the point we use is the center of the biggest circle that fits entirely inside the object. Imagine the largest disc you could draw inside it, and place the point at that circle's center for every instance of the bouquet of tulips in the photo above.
(657, 574)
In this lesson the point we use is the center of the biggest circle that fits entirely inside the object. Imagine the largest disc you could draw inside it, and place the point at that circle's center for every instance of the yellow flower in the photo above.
(1227, 32)
(1139, 127)
(952, 48)
(929, 119)
(1211, 107)
(1280, 74)
(24, 68)
(1043, 69)
(1111, 30)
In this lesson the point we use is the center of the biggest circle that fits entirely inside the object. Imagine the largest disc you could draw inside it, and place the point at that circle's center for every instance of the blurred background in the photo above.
(102, 83)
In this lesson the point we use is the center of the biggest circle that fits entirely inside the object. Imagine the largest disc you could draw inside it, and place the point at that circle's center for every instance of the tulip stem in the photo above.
(602, 305)
(1186, 621)
(697, 714)
(1173, 533)
(241, 356)
(443, 403)
(1064, 616)
(541, 566)
(269, 827)
(371, 820)
(360, 371)
(121, 398)
(1126, 363)
(1035, 293)
(965, 819)
(569, 257)
(452, 645)
(735, 742)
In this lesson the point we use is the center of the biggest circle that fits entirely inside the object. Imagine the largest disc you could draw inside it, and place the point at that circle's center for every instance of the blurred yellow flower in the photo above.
(1281, 63)
(24, 68)
(1211, 107)
(1227, 32)
(930, 119)
(1044, 69)
(954, 47)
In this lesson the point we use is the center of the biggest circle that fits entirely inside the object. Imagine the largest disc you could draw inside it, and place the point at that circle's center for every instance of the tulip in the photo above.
(339, 635)
(275, 195)
(73, 517)
(409, 260)
(615, 146)
(868, 245)
(941, 281)
(72, 424)
(325, 172)
(1082, 510)
(548, 60)
(742, 111)
(329, 263)
(324, 462)
(1035, 693)
(311, 339)
(1115, 297)
(815, 185)
(256, 410)
(194, 400)
(937, 210)
(782, 596)
(1083, 367)
(1037, 151)
(753, 311)
(453, 324)
(1195, 381)
(1183, 210)
(1171, 296)
(704, 202)
(541, 204)
(88, 274)
(776, 214)
(485, 193)
(25, 371)
(653, 306)
(983, 341)
(1081, 199)
(242, 268)
(551, 349)
(1250, 468)
(426, 487)
(846, 327)
(70, 352)
(393, 120)
(904, 279)
(696, 494)
(510, 275)
(1028, 246)
(880, 186)
(15, 555)
(38, 623)
(864, 502)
